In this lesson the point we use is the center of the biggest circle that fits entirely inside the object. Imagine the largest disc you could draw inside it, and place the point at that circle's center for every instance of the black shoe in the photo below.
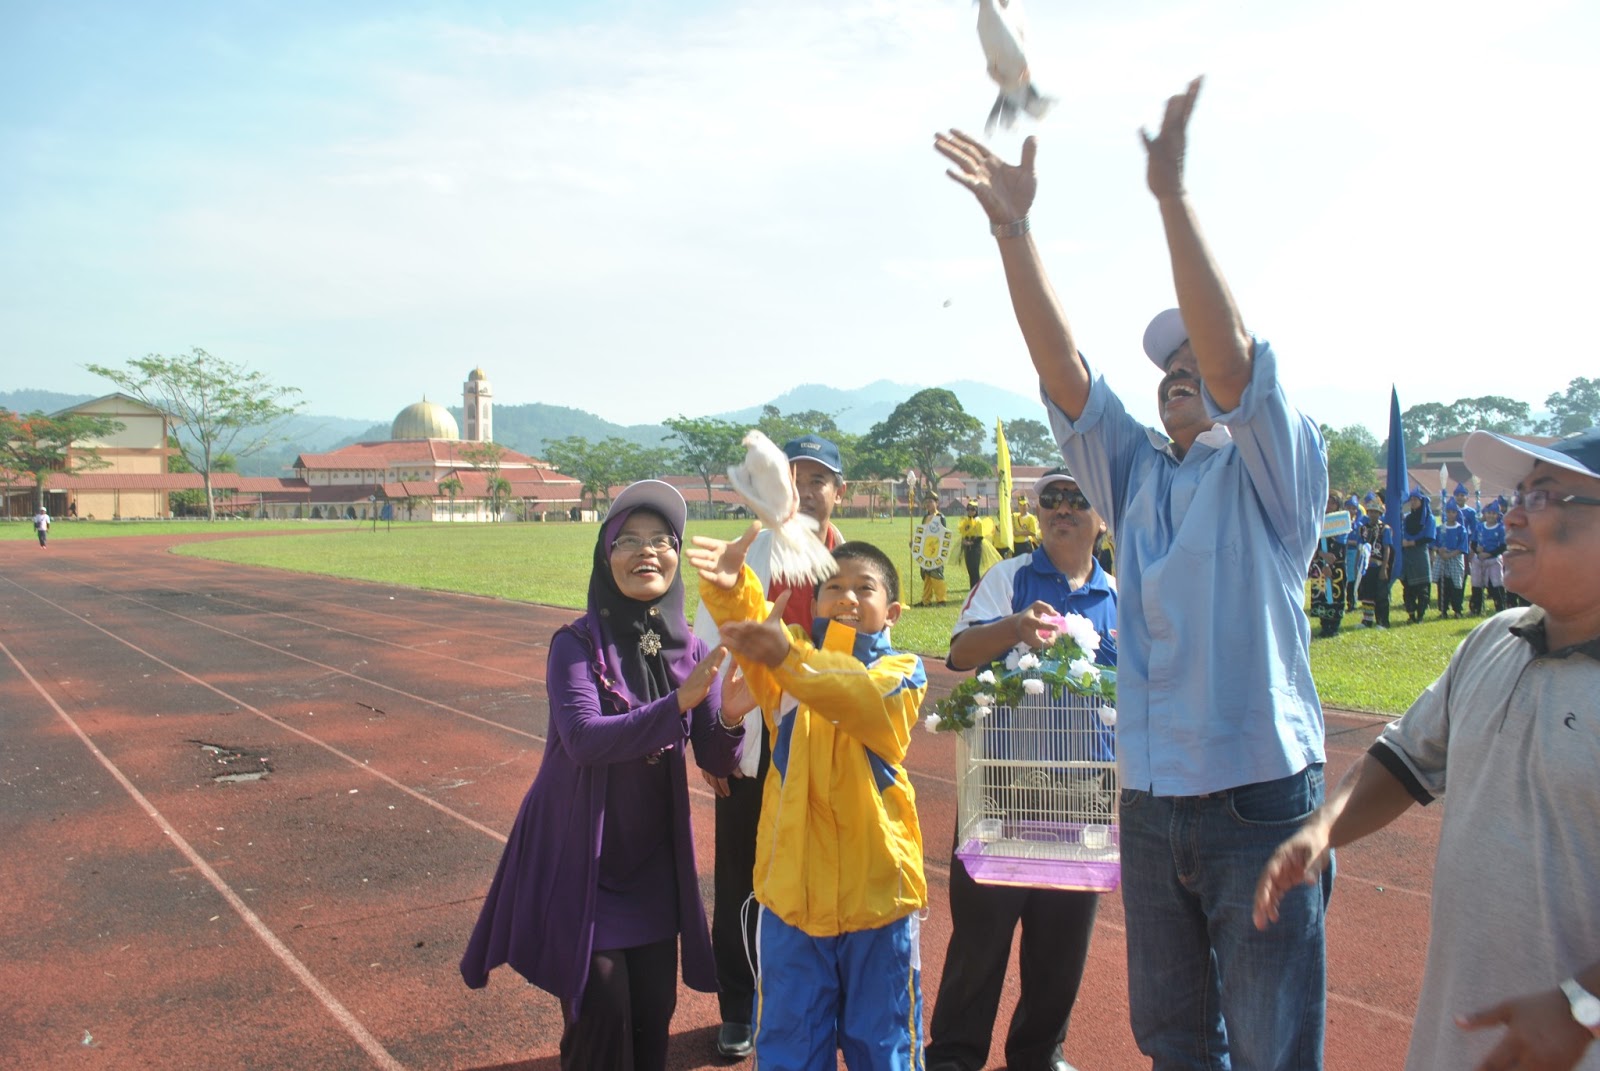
(733, 1041)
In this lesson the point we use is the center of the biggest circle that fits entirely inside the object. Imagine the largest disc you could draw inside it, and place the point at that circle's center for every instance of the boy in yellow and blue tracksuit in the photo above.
(839, 854)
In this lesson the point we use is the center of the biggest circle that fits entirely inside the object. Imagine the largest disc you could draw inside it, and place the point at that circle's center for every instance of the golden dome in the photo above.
(425, 420)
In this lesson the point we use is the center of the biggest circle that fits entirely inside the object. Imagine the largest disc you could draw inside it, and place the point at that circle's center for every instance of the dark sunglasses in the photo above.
(1050, 498)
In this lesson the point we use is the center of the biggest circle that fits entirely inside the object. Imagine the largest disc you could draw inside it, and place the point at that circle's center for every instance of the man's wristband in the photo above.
(1014, 229)
(736, 727)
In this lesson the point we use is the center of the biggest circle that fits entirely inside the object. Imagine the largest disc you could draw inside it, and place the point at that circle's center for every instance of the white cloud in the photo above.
(745, 196)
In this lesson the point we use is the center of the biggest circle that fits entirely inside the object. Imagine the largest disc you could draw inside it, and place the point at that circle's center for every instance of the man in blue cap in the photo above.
(819, 480)
(1512, 731)
(1220, 735)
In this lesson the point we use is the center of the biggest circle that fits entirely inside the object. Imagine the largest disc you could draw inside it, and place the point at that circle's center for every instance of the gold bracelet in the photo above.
(1014, 229)
(736, 726)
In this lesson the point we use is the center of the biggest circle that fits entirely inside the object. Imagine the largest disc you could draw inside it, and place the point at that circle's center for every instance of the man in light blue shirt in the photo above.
(1219, 731)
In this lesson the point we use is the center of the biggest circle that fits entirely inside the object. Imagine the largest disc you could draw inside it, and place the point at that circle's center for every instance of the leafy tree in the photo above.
(1425, 423)
(1353, 454)
(870, 465)
(1573, 410)
(925, 430)
(219, 407)
(1493, 412)
(1031, 443)
(598, 466)
(191, 503)
(781, 427)
(637, 462)
(35, 445)
(707, 446)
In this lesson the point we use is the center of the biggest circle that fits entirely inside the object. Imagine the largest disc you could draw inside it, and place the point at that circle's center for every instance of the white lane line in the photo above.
(694, 790)
(342, 1015)
(276, 650)
(280, 723)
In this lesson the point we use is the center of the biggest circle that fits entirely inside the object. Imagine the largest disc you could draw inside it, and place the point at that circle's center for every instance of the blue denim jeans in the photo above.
(1208, 990)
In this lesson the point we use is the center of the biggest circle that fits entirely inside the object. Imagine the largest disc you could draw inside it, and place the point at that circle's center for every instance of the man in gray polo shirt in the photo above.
(1512, 729)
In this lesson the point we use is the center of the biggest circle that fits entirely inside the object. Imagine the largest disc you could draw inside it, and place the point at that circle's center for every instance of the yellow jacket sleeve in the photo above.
(875, 704)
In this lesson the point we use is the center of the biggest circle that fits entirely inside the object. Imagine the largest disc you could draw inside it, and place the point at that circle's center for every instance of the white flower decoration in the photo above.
(931, 723)
(1012, 659)
(983, 699)
(1082, 632)
(1108, 716)
(1028, 661)
(986, 677)
(1033, 686)
(1083, 670)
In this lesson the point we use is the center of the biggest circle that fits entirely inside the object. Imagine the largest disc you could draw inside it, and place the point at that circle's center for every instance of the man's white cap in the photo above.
(1163, 337)
(662, 497)
(1504, 463)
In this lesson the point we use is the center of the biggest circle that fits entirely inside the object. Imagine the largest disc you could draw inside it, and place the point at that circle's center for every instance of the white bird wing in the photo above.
(1002, 47)
(766, 484)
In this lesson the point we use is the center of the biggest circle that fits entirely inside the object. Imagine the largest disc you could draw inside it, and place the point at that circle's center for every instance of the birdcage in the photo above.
(1037, 796)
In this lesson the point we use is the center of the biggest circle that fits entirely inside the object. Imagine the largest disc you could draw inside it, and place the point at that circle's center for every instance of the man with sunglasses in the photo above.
(1004, 611)
(1220, 737)
(1512, 731)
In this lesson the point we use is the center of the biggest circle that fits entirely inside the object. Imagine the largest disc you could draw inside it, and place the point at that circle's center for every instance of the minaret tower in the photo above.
(478, 407)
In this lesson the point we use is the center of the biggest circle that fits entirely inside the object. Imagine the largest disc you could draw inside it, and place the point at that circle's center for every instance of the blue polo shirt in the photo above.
(1017, 583)
(1214, 685)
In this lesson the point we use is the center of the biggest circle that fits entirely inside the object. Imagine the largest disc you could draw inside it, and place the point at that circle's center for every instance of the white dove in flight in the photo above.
(1001, 32)
(766, 484)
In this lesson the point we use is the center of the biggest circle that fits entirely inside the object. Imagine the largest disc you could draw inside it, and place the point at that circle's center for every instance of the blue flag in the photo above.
(1397, 485)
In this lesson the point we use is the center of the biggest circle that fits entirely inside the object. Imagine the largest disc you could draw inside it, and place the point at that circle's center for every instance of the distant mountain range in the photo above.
(527, 428)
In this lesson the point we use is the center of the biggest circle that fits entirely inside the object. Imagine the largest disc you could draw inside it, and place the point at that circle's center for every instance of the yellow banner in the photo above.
(1003, 465)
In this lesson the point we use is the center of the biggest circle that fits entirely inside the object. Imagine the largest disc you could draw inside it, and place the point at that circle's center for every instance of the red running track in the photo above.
(250, 816)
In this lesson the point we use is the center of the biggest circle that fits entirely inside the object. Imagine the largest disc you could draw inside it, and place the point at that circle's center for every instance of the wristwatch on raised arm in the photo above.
(1585, 1005)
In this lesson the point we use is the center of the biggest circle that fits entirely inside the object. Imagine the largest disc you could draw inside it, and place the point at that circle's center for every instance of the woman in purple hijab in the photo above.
(597, 883)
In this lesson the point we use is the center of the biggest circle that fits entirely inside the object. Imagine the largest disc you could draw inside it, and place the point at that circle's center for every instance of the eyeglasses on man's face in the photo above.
(1534, 501)
(1050, 498)
(632, 544)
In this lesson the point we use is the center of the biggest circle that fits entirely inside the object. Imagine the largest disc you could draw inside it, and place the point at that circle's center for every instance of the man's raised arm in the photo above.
(1006, 193)
(1221, 345)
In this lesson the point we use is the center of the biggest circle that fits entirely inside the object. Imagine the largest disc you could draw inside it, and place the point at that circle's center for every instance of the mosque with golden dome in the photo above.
(428, 470)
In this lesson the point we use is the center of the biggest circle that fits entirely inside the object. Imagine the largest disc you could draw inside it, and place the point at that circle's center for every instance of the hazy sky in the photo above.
(650, 208)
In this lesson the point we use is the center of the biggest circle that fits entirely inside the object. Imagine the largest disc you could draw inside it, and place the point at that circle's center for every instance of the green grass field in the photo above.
(1358, 669)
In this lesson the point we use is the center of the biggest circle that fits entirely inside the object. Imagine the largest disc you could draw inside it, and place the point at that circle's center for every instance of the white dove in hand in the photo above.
(766, 484)
(1001, 32)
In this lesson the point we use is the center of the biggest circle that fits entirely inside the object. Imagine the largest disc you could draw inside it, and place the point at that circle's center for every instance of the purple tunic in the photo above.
(541, 911)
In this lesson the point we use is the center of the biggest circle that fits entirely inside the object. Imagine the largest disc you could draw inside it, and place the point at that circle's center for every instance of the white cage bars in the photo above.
(1037, 796)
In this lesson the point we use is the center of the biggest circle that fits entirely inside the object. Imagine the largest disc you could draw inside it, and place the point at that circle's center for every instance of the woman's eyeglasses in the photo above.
(1050, 498)
(632, 544)
(1534, 501)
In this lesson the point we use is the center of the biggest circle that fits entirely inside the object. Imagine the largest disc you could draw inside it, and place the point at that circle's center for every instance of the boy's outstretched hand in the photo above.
(719, 562)
(766, 641)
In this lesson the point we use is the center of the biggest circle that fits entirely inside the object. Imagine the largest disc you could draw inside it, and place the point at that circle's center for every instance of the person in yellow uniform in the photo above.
(974, 534)
(1025, 534)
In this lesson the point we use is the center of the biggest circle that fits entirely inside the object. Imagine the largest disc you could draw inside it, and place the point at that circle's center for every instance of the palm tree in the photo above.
(451, 485)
